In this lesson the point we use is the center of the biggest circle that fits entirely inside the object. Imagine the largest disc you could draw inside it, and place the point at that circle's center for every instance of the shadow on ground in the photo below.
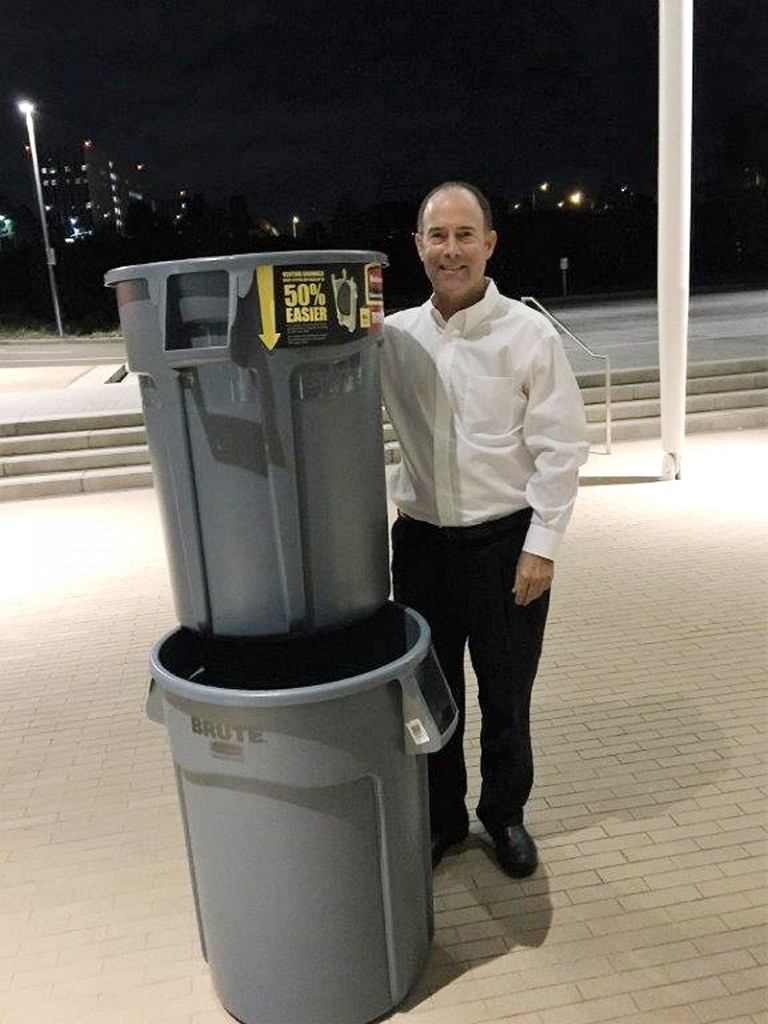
(481, 914)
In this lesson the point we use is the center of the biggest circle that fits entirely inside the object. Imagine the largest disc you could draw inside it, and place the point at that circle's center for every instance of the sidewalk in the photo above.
(649, 806)
(58, 392)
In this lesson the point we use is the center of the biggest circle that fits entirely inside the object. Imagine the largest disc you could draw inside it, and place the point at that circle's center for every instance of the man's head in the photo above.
(455, 239)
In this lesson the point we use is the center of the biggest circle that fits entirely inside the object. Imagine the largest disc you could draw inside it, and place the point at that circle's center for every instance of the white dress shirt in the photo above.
(489, 417)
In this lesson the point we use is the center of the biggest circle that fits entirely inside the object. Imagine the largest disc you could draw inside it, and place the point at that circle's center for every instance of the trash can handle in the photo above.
(183, 358)
(154, 706)
(423, 735)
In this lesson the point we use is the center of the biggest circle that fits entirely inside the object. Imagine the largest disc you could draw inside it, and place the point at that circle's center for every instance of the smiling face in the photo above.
(454, 245)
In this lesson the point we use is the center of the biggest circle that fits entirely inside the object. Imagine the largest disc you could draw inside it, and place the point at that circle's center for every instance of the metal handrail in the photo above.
(531, 301)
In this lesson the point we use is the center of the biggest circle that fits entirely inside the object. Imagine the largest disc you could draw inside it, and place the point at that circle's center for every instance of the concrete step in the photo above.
(105, 373)
(102, 451)
(49, 485)
(715, 368)
(696, 386)
(650, 426)
(30, 444)
(389, 433)
(391, 452)
(65, 424)
(751, 417)
(79, 459)
(711, 402)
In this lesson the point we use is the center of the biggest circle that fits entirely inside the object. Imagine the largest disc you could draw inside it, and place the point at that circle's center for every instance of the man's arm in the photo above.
(554, 431)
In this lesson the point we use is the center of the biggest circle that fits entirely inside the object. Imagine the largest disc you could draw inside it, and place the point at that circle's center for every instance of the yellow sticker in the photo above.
(265, 284)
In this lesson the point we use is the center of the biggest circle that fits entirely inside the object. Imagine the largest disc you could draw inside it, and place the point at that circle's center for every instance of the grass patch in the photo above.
(42, 332)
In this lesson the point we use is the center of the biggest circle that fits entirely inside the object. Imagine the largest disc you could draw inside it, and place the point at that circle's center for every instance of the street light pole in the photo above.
(27, 109)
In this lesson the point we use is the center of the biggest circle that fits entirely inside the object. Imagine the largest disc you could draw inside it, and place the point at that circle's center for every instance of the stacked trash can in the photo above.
(298, 700)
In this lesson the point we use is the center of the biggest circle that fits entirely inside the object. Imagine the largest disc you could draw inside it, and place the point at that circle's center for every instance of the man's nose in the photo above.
(451, 244)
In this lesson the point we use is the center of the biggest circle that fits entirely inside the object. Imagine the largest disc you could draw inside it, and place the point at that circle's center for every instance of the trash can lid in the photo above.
(243, 263)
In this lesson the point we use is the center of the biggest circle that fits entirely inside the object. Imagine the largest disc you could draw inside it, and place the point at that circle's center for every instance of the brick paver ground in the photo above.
(649, 807)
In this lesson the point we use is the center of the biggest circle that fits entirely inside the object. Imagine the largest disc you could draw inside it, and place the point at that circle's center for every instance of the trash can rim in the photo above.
(242, 261)
(315, 694)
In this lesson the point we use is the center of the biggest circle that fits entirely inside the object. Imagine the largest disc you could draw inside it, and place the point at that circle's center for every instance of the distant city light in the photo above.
(543, 186)
(576, 198)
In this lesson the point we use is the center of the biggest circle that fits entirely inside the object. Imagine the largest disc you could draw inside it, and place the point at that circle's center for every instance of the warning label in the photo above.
(319, 305)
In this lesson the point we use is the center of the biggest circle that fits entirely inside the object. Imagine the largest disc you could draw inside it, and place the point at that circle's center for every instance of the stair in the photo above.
(108, 451)
(721, 395)
(72, 455)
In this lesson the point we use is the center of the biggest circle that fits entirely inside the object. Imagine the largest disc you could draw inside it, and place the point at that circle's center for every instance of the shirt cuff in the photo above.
(542, 542)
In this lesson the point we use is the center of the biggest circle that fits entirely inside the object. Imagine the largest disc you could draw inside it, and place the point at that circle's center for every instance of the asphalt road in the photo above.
(723, 325)
(19, 352)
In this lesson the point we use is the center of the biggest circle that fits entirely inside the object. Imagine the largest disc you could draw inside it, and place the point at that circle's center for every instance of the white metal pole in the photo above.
(674, 221)
(50, 255)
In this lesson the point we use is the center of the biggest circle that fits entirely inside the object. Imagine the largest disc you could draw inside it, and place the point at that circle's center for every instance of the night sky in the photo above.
(302, 103)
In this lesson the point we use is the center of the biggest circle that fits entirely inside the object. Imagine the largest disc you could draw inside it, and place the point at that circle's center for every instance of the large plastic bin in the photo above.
(260, 386)
(305, 808)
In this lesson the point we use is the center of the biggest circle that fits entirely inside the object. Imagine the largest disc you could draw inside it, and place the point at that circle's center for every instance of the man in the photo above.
(491, 428)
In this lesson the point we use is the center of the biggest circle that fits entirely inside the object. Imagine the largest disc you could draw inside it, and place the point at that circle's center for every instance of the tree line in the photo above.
(610, 248)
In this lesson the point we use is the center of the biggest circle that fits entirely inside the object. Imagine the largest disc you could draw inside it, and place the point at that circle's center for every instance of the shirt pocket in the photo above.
(492, 408)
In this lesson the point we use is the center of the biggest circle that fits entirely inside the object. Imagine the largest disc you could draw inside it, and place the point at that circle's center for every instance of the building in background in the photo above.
(88, 192)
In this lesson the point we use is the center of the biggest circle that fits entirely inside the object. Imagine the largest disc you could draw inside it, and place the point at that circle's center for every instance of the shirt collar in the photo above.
(465, 320)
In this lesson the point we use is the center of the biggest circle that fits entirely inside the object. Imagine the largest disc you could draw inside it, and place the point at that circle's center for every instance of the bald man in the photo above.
(492, 433)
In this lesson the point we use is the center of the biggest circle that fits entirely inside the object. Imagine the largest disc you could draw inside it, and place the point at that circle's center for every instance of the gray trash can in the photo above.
(260, 386)
(305, 808)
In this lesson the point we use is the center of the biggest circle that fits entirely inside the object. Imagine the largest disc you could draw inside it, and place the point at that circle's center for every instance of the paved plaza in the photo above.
(649, 806)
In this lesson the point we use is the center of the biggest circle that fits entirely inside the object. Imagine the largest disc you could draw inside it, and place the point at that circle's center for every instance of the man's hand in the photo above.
(532, 577)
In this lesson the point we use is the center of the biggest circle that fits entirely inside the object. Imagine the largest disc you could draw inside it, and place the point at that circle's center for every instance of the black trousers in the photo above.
(460, 579)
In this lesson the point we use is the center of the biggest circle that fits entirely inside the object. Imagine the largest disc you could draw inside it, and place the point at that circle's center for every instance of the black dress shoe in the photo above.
(516, 850)
(443, 841)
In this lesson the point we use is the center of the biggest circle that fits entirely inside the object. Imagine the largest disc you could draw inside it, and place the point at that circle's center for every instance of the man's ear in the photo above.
(491, 239)
(419, 244)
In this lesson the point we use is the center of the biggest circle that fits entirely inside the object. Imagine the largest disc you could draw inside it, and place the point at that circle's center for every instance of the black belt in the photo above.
(512, 523)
